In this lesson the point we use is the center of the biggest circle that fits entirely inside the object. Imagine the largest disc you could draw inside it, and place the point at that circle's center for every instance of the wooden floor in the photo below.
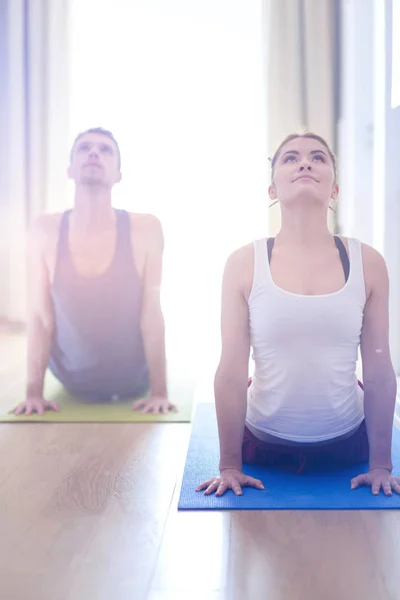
(89, 512)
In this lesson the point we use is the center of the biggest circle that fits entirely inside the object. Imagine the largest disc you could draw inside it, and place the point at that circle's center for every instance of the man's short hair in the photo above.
(100, 131)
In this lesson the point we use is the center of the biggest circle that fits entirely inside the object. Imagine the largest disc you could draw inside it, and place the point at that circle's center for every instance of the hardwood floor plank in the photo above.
(302, 555)
(194, 554)
(121, 557)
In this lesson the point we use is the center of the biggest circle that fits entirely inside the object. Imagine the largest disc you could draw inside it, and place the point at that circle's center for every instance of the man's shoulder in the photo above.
(144, 220)
(46, 222)
(43, 231)
(146, 224)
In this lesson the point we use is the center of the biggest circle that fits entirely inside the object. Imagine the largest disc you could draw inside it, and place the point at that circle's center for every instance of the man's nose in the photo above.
(305, 165)
(93, 153)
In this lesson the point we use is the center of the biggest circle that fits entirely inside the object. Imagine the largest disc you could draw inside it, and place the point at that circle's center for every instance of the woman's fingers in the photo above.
(256, 483)
(212, 488)
(396, 485)
(387, 488)
(357, 481)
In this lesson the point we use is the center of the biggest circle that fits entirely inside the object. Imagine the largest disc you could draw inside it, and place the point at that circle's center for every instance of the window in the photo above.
(395, 54)
(181, 86)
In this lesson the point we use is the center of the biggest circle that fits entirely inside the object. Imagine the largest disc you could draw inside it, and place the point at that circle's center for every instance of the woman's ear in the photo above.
(335, 191)
(272, 192)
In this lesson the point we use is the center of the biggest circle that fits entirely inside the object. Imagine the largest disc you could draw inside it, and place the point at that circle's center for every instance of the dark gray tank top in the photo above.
(97, 350)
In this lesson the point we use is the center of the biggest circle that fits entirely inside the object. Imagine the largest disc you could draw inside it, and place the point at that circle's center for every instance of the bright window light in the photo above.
(181, 86)
(396, 54)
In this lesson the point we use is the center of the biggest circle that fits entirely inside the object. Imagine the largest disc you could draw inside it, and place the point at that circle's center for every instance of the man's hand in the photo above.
(154, 405)
(34, 404)
(230, 479)
(377, 479)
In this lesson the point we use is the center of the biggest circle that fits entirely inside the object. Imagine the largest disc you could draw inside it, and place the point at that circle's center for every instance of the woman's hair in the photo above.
(294, 136)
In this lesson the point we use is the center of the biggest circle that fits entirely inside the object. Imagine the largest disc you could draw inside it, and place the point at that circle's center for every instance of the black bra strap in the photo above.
(343, 256)
(270, 245)
(339, 244)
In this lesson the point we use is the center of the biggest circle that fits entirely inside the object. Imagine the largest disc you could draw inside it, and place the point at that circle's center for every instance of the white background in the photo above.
(181, 86)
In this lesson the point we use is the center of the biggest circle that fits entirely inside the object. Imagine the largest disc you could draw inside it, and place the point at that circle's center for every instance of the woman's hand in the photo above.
(377, 479)
(230, 479)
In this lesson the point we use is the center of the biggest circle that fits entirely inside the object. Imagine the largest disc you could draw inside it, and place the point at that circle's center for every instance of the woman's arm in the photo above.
(230, 384)
(232, 375)
(379, 378)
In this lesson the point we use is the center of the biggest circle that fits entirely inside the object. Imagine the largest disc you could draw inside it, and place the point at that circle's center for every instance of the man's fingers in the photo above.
(155, 409)
(173, 408)
(387, 488)
(137, 404)
(29, 408)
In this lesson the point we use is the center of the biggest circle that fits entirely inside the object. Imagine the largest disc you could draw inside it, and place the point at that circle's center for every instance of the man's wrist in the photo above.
(34, 389)
(159, 391)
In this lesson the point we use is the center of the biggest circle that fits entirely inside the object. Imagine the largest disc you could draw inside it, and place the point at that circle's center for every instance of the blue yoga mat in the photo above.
(284, 490)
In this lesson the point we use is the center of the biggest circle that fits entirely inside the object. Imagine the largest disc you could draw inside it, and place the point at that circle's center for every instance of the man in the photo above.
(94, 276)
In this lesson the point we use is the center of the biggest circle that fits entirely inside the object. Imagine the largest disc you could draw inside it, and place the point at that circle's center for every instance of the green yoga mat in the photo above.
(73, 409)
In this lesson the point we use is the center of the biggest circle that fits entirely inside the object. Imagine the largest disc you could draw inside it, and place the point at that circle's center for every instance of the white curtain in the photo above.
(34, 132)
(301, 63)
(181, 86)
(369, 139)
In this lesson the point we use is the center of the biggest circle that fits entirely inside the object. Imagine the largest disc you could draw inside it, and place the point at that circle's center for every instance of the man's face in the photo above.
(95, 161)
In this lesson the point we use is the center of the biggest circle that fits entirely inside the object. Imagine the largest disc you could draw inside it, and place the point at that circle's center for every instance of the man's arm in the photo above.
(40, 310)
(231, 377)
(152, 320)
(379, 378)
(40, 319)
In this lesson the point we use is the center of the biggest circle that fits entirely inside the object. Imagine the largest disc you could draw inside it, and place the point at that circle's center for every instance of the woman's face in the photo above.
(304, 172)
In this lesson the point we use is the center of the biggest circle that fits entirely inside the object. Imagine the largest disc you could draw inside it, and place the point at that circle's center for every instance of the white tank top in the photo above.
(305, 350)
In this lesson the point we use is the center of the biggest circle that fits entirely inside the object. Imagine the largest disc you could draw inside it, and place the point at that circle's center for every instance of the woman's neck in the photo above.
(304, 228)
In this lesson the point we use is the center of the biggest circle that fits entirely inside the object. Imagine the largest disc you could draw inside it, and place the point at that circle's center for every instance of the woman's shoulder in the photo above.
(373, 265)
(242, 255)
(373, 260)
(240, 267)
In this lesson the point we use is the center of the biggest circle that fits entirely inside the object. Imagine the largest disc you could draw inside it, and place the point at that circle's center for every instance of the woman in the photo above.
(305, 301)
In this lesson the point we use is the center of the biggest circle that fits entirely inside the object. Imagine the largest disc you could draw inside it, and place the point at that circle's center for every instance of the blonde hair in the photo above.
(294, 136)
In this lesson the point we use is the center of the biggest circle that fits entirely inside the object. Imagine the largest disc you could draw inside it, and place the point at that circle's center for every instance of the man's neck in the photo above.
(92, 210)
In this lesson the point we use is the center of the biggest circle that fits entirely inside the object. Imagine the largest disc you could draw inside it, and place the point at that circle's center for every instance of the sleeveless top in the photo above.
(305, 348)
(97, 350)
